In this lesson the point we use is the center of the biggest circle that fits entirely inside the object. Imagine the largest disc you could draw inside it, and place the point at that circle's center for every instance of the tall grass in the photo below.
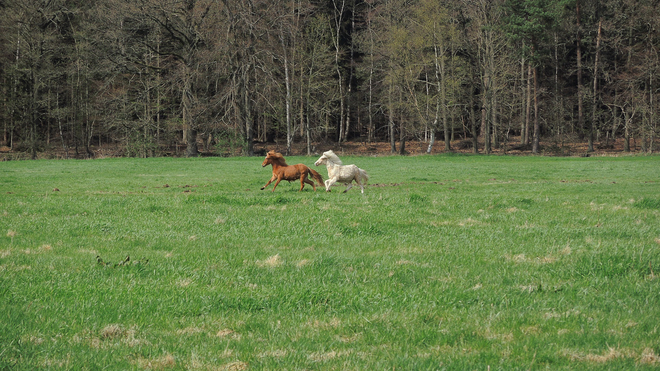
(446, 262)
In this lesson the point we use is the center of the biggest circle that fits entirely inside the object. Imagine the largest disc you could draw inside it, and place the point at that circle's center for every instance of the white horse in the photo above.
(341, 173)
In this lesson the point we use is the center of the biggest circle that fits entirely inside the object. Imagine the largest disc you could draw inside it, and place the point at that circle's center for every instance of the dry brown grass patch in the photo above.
(190, 330)
(57, 363)
(608, 355)
(349, 339)
(113, 331)
(161, 363)
(530, 330)
(324, 325)
(278, 353)
(34, 339)
(271, 262)
(405, 262)
(112, 335)
(469, 222)
(522, 258)
(303, 263)
(649, 357)
(228, 334)
(326, 356)
(184, 282)
(234, 366)
(487, 333)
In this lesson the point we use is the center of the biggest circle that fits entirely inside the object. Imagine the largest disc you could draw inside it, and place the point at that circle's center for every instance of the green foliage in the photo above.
(461, 262)
(532, 21)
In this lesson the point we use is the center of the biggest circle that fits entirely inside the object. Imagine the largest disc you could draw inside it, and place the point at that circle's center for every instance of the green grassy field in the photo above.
(446, 262)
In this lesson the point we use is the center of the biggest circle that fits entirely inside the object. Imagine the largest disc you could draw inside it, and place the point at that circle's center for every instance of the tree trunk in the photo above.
(493, 115)
(440, 68)
(247, 117)
(371, 129)
(535, 143)
(336, 39)
(523, 100)
(431, 142)
(34, 114)
(592, 130)
(189, 132)
(287, 83)
(390, 121)
(402, 139)
(494, 142)
(473, 127)
(528, 108)
(484, 120)
(579, 69)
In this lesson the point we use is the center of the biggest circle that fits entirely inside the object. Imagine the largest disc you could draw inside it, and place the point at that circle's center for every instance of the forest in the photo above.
(218, 76)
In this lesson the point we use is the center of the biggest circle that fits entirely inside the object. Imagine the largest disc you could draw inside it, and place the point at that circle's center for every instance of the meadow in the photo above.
(448, 262)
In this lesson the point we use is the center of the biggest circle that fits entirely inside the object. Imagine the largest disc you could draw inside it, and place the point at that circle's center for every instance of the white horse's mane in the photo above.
(332, 157)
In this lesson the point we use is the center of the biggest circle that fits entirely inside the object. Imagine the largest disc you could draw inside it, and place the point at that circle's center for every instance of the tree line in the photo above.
(149, 75)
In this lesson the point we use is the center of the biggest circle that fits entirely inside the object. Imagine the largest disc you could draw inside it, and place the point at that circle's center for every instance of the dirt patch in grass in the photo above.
(547, 147)
(112, 331)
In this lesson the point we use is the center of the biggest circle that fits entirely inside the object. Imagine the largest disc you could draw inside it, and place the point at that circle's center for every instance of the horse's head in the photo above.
(273, 157)
(322, 160)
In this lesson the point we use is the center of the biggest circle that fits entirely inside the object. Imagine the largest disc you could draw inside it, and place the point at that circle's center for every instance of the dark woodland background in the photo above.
(228, 77)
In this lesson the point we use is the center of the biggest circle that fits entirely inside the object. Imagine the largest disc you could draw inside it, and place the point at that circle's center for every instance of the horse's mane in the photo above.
(277, 158)
(334, 158)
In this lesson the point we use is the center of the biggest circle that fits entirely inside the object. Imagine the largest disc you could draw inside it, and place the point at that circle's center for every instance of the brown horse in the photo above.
(282, 171)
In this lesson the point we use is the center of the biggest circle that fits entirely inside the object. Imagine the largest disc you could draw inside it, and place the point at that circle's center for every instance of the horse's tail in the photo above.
(316, 175)
(363, 175)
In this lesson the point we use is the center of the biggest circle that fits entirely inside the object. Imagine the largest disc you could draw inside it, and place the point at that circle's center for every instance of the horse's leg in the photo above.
(305, 178)
(349, 185)
(329, 183)
(359, 181)
(302, 181)
(310, 182)
(276, 183)
(270, 181)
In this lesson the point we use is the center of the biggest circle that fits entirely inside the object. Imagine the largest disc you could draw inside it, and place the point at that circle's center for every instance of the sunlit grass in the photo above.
(457, 262)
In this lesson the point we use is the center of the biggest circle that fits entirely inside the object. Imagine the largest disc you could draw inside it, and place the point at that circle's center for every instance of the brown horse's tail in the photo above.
(317, 176)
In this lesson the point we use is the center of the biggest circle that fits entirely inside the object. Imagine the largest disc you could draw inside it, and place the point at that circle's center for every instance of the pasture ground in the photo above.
(446, 262)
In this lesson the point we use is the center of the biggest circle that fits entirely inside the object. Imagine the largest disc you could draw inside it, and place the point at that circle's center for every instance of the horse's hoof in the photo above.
(262, 188)
(346, 191)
